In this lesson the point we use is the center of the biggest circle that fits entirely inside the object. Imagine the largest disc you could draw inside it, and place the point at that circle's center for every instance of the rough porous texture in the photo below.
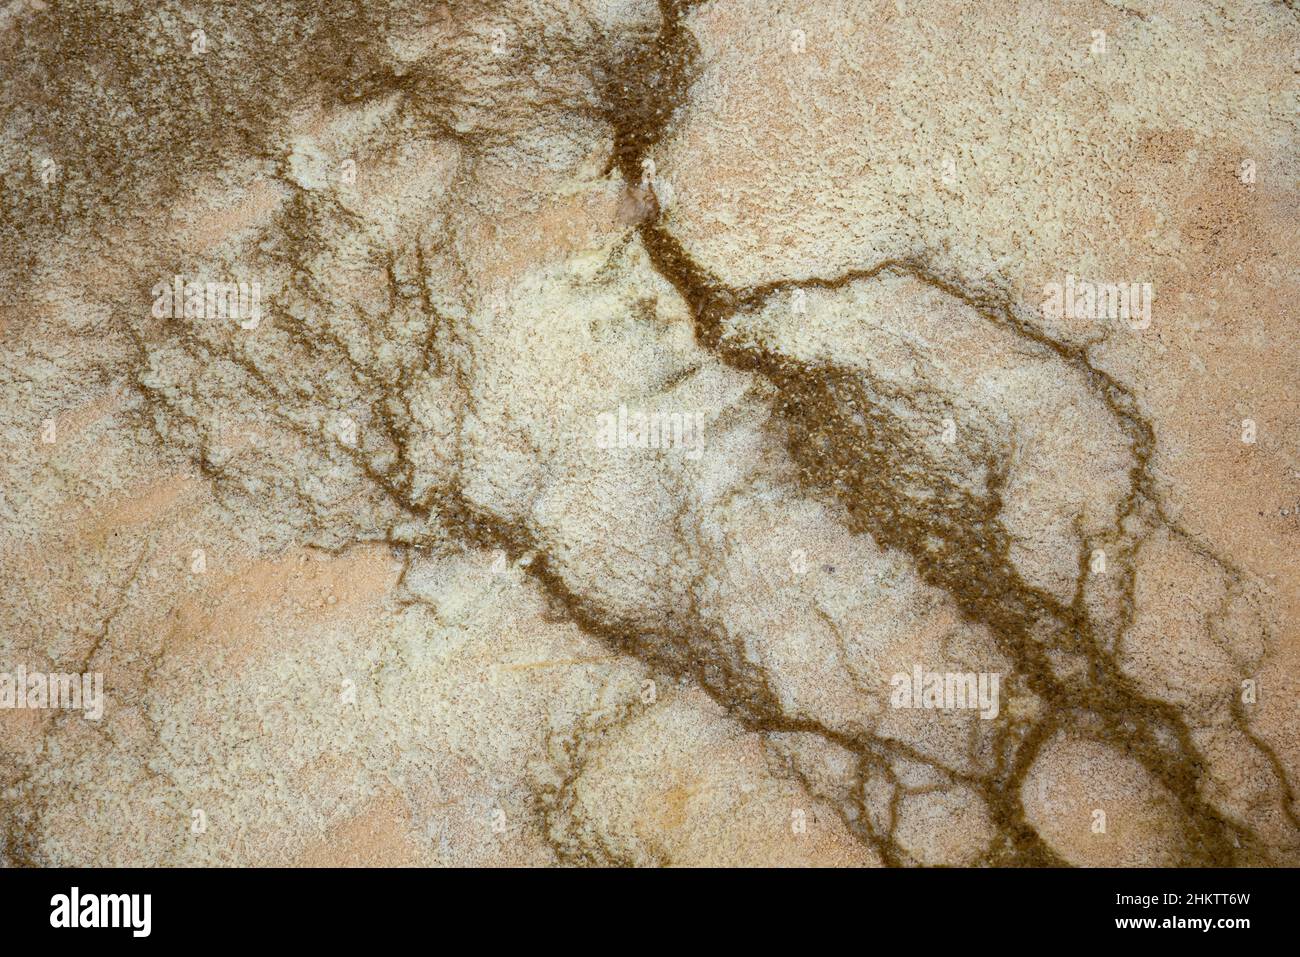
(635, 391)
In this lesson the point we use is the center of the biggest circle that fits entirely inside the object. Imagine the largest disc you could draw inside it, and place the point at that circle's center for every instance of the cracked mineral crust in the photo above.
(617, 432)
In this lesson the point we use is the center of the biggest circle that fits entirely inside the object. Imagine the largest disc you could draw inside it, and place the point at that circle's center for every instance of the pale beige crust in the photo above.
(365, 587)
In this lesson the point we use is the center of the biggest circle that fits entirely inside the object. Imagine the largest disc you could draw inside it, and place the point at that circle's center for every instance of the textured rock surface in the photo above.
(362, 576)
